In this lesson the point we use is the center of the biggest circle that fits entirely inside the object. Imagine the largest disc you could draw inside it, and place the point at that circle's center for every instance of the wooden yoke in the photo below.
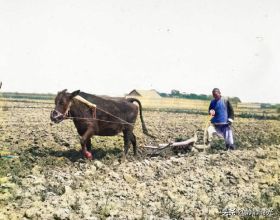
(91, 105)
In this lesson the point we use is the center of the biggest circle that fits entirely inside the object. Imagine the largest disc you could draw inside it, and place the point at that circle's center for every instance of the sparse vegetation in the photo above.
(170, 209)
(54, 181)
(177, 94)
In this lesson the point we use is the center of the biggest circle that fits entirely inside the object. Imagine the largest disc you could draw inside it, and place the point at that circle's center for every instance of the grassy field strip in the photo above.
(161, 104)
(171, 104)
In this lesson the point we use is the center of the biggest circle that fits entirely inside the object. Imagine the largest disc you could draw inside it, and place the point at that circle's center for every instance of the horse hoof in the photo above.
(88, 155)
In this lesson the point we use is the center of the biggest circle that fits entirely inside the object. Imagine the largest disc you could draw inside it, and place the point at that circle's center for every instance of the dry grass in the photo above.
(42, 148)
(172, 104)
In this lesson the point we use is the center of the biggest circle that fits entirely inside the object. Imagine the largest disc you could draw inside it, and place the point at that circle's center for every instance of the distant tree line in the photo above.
(177, 94)
(17, 95)
(268, 105)
(271, 106)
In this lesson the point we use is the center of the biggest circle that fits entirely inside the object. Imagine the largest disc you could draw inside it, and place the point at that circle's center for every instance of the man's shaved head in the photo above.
(216, 90)
(216, 93)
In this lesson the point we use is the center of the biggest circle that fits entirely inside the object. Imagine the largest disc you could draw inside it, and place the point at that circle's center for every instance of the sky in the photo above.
(114, 46)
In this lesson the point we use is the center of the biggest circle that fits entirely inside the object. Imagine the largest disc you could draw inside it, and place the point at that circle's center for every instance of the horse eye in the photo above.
(61, 102)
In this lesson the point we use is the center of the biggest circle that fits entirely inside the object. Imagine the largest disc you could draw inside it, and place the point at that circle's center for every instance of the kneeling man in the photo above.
(222, 117)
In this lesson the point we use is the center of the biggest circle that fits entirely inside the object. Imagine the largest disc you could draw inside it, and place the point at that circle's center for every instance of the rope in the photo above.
(81, 99)
(207, 122)
(22, 123)
(27, 107)
(124, 122)
(95, 119)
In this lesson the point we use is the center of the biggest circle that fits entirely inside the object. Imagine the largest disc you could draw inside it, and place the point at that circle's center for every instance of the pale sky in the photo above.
(113, 46)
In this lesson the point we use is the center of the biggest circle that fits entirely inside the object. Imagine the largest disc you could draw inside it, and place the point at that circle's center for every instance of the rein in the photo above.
(95, 119)
(67, 114)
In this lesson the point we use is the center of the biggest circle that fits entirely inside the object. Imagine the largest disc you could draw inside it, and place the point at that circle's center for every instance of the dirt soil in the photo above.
(51, 180)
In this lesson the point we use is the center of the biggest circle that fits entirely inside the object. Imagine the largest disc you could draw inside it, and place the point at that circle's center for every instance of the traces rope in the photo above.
(91, 105)
(94, 107)
(95, 119)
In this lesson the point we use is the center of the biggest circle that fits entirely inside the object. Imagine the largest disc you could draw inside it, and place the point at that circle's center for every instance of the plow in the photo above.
(195, 143)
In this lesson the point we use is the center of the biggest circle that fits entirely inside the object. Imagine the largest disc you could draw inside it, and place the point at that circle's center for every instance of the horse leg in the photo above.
(84, 140)
(126, 139)
(133, 141)
(89, 145)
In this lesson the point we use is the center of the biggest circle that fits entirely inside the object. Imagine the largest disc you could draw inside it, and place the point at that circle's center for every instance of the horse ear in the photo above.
(75, 93)
(64, 90)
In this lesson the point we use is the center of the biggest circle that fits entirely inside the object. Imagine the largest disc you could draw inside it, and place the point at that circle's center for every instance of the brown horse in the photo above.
(110, 117)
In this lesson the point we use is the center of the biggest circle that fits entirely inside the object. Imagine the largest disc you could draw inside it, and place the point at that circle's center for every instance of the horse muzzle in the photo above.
(56, 116)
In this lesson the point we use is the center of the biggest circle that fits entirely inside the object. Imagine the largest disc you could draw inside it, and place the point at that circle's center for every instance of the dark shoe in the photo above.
(230, 147)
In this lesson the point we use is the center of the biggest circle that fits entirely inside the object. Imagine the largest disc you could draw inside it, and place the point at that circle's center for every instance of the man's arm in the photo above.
(211, 110)
(230, 110)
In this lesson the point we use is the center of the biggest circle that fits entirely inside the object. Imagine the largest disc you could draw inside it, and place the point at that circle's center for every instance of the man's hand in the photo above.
(212, 112)
(230, 121)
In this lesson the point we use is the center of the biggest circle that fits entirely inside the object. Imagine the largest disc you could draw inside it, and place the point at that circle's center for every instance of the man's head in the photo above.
(216, 93)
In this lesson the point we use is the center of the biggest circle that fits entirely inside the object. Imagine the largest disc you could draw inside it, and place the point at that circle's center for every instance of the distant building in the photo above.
(152, 94)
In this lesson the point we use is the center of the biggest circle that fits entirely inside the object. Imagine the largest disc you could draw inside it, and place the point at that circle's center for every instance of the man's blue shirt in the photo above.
(221, 111)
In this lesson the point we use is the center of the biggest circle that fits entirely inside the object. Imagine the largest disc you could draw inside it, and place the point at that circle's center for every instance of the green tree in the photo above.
(175, 93)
